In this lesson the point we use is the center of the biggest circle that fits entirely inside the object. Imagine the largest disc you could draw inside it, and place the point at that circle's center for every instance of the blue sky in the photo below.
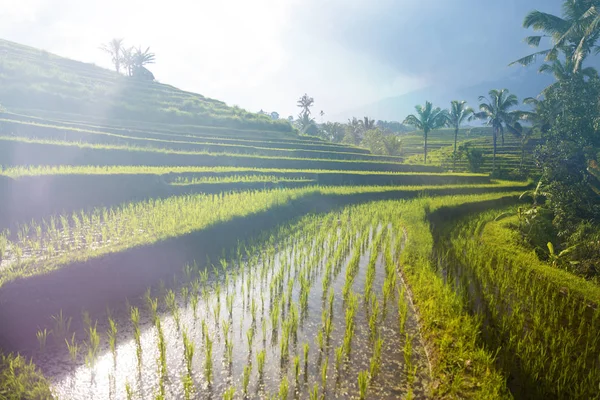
(266, 53)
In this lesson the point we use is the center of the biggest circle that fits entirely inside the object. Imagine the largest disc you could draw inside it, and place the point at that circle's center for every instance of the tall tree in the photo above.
(115, 49)
(128, 60)
(459, 113)
(427, 119)
(354, 132)
(142, 58)
(497, 114)
(367, 124)
(575, 33)
(305, 122)
(563, 71)
(305, 103)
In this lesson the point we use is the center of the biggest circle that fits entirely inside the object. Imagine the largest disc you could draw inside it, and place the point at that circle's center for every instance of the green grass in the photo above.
(105, 231)
(539, 316)
(208, 135)
(21, 379)
(24, 151)
(22, 171)
(30, 130)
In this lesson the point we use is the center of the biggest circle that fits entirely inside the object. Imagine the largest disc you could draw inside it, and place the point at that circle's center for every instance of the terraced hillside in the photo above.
(513, 155)
(35, 82)
(168, 260)
(87, 202)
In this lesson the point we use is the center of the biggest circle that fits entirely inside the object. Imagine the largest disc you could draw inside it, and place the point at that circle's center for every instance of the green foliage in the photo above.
(379, 143)
(570, 148)
(562, 323)
(474, 156)
(20, 379)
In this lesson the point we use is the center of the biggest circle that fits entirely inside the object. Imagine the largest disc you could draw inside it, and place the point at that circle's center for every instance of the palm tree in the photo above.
(305, 103)
(115, 49)
(459, 113)
(353, 132)
(427, 119)
(563, 71)
(575, 34)
(128, 60)
(367, 124)
(305, 122)
(142, 58)
(496, 112)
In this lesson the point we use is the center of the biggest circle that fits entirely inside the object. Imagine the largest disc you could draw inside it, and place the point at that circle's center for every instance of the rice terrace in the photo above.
(159, 244)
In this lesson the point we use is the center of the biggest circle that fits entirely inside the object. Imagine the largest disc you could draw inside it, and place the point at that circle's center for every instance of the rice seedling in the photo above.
(93, 346)
(339, 357)
(208, 365)
(229, 352)
(260, 362)
(305, 349)
(363, 384)
(188, 386)
(128, 391)
(296, 368)
(313, 394)
(408, 353)
(185, 294)
(319, 340)
(284, 388)
(73, 347)
(61, 326)
(373, 323)
(194, 302)
(188, 352)
(111, 333)
(250, 337)
(324, 372)
(229, 393)
(246, 378)
(229, 302)
(135, 321)
(42, 336)
(217, 311)
(402, 311)
(375, 363)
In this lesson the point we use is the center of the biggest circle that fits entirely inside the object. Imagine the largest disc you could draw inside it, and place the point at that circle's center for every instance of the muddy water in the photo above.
(112, 376)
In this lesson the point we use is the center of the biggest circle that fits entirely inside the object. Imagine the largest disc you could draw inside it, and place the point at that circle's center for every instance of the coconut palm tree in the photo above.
(305, 103)
(127, 60)
(367, 124)
(575, 33)
(427, 119)
(115, 49)
(497, 114)
(563, 71)
(459, 113)
(143, 58)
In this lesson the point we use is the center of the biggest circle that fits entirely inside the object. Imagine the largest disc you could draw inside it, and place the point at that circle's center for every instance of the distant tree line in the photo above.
(380, 137)
(130, 61)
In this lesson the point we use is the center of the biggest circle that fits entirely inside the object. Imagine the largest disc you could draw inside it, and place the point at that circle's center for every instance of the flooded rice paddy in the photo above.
(300, 316)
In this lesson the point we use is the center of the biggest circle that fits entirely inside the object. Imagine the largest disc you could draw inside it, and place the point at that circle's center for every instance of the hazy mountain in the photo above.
(524, 82)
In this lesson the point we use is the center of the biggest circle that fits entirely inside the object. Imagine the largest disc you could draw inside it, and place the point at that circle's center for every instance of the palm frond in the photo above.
(533, 41)
(530, 59)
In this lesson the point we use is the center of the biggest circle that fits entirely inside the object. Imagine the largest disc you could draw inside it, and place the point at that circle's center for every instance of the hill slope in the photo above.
(35, 82)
